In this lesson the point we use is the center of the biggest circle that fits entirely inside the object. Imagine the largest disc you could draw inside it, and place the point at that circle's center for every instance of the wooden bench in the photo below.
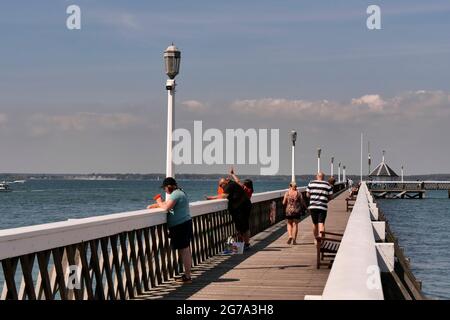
(327, 247)
(350, 201)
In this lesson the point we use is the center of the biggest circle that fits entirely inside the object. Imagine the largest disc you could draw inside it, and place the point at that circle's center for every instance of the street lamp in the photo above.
(332, 167)
(344, 178)
(172, 57)
(402, 175)
(293, 139)
(319, 151)
(339, 172)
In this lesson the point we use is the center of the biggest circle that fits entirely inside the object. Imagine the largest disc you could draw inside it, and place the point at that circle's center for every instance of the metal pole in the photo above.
(343, 175)
(332, 167)
(361, 169)
(293, 163)
(170, 121)
(318, 159)
(402, 175)
(339, 172)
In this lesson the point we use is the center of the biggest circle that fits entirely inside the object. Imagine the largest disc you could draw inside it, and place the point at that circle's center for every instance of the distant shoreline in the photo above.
(181, 176)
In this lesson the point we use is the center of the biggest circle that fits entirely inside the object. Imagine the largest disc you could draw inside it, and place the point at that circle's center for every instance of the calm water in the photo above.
(422, 226)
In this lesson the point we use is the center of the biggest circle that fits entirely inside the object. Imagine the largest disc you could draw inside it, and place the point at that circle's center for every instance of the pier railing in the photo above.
(356, 273)
(408, 185)
(117, 256)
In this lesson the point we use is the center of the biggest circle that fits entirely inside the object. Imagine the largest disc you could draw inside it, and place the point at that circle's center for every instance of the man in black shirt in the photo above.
(239, 206)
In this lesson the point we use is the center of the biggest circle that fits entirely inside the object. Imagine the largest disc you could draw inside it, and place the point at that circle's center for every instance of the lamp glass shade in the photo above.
(172, 58)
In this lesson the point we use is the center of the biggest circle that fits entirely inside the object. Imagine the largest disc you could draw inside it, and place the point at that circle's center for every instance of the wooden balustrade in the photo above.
(117, 256)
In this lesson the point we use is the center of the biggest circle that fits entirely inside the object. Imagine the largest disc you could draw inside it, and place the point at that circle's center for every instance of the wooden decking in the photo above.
(270, 270)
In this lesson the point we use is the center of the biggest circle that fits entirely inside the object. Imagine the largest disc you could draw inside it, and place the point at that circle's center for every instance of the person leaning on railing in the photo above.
(239, 206)
(179, 222)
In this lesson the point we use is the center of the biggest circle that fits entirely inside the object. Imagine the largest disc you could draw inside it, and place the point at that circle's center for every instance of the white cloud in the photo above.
(406, 105)
(41, 124)
(194, 105)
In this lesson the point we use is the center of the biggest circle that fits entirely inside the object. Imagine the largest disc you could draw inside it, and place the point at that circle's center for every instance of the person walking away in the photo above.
(179, 222)
(295, 207)
(319, 193)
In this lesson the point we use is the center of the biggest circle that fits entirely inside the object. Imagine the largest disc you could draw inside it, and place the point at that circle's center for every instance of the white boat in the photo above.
(4, 187)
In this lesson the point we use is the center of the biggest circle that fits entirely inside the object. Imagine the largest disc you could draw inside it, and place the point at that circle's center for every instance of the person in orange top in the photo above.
(247, 185)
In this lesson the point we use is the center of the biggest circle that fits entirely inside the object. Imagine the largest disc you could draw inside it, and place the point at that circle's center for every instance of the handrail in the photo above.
(355, 273)
(25, 240)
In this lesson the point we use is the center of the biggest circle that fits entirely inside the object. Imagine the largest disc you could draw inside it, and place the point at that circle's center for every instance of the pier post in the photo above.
(293, 138)
(172, 57)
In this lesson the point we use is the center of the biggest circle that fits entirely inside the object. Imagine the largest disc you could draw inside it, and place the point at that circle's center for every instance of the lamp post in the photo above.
(293, 139)
(402, 175)
(343, 174)
(172, 57)
(339, 172)
(319, 151)
(332, 167)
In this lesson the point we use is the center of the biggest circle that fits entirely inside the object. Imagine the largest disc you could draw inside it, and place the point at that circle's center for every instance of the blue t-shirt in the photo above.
(180, 212)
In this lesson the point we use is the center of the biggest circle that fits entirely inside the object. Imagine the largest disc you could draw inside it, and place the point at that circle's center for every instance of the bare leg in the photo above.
(321, 228)
(289, 228)
(295, 231)
(315, 232)
(246, 237)
(186, 258)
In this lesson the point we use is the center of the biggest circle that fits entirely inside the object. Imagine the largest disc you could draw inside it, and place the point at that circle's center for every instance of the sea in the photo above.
(420, 224)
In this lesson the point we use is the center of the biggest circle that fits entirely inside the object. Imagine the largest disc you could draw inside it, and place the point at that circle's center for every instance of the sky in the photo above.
(94, 99)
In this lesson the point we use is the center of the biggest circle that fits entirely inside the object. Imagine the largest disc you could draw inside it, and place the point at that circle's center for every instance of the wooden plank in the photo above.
(119, 285)
(107, 270)
(85, 271)
(126, 264)
(162, 253)
(141, 254)
(156, 255)
(134, 262)
(9, 271)
(60, 274)
(148, 250)
(43, 260)
(27, 262)
(73, 259)
(95, 265)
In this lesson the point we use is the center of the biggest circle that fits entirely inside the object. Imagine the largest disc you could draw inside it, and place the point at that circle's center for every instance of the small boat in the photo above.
(4, 187)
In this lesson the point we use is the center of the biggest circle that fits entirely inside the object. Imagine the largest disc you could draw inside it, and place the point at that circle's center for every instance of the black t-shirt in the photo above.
(236, 195)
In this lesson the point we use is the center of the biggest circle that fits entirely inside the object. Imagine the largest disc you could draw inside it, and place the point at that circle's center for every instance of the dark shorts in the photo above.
(318, 216)
(296, 216)
(181, 235)
(241, 217)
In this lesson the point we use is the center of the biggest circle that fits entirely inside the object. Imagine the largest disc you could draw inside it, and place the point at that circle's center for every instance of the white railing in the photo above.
(355, 274)
(24, 240)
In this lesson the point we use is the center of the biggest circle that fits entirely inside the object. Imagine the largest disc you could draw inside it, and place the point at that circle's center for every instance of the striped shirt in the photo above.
(319, 192)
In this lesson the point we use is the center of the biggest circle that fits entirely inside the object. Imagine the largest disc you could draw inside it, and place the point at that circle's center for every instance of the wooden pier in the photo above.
(271, 270)
(128, 256)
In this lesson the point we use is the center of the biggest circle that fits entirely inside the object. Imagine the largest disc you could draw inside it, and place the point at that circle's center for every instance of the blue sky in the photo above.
(94, 99)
